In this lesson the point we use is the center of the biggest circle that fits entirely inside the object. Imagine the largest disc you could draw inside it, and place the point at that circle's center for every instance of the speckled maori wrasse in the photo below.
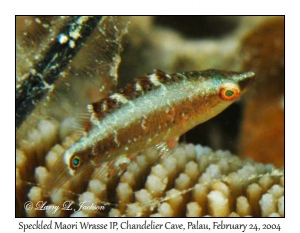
(149, 111)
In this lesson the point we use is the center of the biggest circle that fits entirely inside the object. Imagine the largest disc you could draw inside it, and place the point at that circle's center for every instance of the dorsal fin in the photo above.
(159, 75)
(133, 90)
(106, 106)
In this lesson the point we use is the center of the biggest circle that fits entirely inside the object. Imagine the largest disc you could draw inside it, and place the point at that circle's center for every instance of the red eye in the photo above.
(229, 92)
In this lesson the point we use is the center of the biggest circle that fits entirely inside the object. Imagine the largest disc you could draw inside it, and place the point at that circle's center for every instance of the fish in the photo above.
(149, 111)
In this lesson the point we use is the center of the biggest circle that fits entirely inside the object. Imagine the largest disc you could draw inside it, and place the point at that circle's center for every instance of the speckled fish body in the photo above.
(150, 111)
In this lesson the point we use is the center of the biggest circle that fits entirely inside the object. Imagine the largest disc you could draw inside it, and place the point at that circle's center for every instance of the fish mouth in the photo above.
(245, 80)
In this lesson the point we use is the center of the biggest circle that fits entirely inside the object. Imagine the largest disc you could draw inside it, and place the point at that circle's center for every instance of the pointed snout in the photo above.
(245, 80)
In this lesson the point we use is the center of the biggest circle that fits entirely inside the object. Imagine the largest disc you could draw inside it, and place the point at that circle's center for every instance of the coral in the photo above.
(193, 180)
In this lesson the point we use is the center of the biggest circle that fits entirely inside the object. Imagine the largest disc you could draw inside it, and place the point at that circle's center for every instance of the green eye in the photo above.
(229, 93)
(76, 162)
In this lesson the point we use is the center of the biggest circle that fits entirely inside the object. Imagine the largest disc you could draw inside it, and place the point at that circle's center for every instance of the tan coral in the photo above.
(192, 181)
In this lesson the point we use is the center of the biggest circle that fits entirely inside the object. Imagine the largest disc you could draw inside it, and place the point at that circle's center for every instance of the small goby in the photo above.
(149, 111)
